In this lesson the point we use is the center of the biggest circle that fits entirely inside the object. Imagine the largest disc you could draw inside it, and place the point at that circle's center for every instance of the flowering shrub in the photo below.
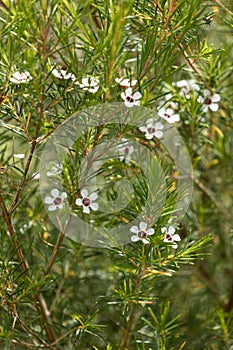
(115, 169)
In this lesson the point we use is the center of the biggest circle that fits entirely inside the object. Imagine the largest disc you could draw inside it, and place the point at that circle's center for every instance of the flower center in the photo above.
(126, 150)
(130, 99)
(208, 101)
(86, 202)
(167, 115)
(57, 201)
(142, 234)
(151, 130)
(169, 237)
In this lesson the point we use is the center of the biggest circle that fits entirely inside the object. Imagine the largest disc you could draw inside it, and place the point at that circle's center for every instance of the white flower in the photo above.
(56, 201)
(170, 236)
(152, 129)
(19, 78)
(19, 156)
(187, 87)
(169, 115)
(125, 82)
(62, 74)
(56, 170)
(89, 84)
(141, 233)
(131, 99)
(87, 201)
(125, 151)
(209, 101)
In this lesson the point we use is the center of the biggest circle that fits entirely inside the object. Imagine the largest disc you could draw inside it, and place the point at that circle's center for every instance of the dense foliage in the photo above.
(146, 88)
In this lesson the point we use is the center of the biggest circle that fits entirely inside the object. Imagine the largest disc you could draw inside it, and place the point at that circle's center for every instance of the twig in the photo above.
(224, 7)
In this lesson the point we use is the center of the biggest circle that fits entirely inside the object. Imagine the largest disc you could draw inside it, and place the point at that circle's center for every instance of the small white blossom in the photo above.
(187, 87)
(131, 99)
(209, 101)
(62, 74)
(141, 233)
(125, 82)
(87, 201)
(56, 201)
(19, 78)
(152, 129)
(169, 115)
(19, 155)
(89, 84)
(170, 236)
(56, 170)
(125, 151)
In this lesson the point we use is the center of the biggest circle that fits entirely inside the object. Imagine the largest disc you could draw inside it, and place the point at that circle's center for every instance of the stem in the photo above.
(131, 321)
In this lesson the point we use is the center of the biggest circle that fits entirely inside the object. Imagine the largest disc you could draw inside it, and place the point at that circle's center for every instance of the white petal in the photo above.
(85, 82)
(174, 245)
(84, 193)
(159, 125)
(158, 134)
(176, 237)
(137, 95)
(145, 241)
(129, 104)
(171, 230)
(129, 91)
(93, 196)
(137, 103)
(216, 98)
(150, 232)
(94, 206)
(86, 210)
(134, 229)
(143, 128)
(55, 192)
(123, 96)
(60, 206)
(135, 238)
(213, 107)
(79, 201)
(163, 229)
(150, 136)
(52, 207)
(48, 200)
(143, 226)
(64, 195)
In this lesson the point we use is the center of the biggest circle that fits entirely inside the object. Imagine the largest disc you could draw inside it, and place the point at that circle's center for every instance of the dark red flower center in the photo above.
(86, 202)
(167, 115)
(169, 237)
(151, 130)
(57, 201)
(126, 150)
(130, 99)
(208, 101)
(142, 234)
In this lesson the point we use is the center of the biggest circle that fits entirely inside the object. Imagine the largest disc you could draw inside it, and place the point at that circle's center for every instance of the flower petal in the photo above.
(48, 200)
(151, 231)
(55, 192)
(137, 95)
(134, 238)
(84, 193)
(79, 201)
(134, 229)
(143, 226)
(176, 237)
(145, 241)
(94, 206)
(86, 210)
(213, 107)
(171, 230)
(52, 207)
(93, 196)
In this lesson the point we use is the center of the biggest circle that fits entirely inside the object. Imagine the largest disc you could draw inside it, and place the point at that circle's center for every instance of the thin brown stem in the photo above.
(224, 7)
